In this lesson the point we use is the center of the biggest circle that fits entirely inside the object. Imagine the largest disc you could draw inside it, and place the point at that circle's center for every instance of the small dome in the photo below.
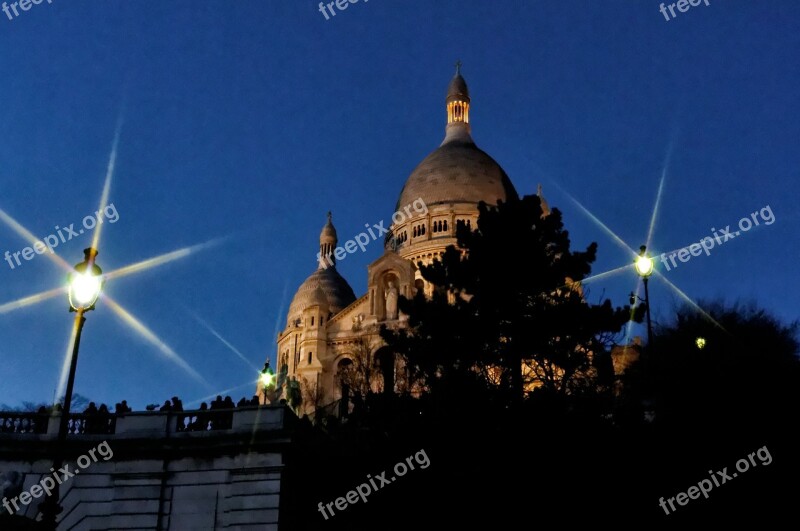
(324, 285)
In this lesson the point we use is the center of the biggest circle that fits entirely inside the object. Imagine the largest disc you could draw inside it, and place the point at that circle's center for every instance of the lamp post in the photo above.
(267, 379)
(85, 284)
(644, 268)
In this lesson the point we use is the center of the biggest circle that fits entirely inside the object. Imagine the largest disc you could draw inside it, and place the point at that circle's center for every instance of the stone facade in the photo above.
(165, 472)
(327, 326)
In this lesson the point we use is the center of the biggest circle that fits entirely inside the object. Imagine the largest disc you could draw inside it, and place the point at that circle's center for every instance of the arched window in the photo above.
(444, 226)
(310, 357)
(384, 359)
(344, 375)
(312, 320)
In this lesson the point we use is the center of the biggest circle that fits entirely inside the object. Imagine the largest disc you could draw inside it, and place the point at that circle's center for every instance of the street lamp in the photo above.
(85, 284)
(267, 379)
(644, 268)
(700, 343)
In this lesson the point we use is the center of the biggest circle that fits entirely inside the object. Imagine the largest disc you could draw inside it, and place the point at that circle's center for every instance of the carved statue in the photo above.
(391, 301)
(294, 393)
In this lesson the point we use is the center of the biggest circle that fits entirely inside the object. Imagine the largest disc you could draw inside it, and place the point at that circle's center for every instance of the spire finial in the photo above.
(457, 108)
(327, 244)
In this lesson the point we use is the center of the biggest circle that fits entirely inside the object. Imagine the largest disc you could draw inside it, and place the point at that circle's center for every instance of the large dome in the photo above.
(457, 172)
(337, 291)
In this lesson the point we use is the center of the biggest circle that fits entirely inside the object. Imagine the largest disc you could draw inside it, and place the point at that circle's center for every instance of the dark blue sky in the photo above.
(251, 119)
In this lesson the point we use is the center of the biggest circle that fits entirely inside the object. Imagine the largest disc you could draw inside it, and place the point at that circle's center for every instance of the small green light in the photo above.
(700, 342)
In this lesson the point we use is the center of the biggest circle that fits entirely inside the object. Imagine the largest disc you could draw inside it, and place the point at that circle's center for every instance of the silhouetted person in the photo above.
(254, 401)
(227, 417)
(166, 407)
(242, 402)
(177, 405)
(41, 423)
(103, 420)
(201, 423)
(90, 422)
(216, 404)
(123, 407)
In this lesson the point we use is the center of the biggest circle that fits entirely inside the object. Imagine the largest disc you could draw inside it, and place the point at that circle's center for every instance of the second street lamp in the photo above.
(85, 284)
(644, 268)
(267, 379)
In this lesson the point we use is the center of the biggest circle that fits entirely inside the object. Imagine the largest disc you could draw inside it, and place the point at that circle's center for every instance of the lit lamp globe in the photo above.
(644, 264)
(267, 376)
(85, 283)
(266, 379)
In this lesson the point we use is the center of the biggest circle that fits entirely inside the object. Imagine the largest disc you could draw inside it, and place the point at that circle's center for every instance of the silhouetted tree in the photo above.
(747, 372)
(509, 297)
(79, 402)
(360, 375)
(313, 395)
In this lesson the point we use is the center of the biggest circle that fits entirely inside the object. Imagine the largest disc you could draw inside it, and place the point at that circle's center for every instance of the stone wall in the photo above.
(155, 473)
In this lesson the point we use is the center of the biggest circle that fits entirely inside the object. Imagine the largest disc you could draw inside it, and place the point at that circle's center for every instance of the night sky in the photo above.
(249, 120)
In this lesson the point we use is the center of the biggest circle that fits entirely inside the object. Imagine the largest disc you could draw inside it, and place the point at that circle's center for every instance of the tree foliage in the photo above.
(510, 295)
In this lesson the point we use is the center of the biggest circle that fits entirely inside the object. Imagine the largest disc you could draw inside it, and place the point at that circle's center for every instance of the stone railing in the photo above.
(77, 424)
(204, 420)
(88, 424)
(23, 422)
(144, 423)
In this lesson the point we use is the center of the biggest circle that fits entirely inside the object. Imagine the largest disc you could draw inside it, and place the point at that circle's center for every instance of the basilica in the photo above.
(328, 328)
